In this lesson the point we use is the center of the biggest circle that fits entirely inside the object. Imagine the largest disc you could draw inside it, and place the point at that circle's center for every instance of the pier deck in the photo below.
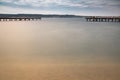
(103, 19)
(19, 18)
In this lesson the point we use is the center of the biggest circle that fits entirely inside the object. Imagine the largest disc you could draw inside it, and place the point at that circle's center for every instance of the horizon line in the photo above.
(49, 14)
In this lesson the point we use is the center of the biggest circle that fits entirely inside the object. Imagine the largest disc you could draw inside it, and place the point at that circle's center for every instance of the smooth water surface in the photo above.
(59, 49)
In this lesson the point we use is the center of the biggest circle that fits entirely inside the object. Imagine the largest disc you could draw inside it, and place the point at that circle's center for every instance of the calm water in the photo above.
(59, 49)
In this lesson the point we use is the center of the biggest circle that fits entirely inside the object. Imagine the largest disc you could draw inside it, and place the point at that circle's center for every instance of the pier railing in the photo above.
(102, 19)
(19, 18)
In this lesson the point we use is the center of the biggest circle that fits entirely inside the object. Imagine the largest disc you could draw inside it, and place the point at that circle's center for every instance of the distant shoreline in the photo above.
(48, 15)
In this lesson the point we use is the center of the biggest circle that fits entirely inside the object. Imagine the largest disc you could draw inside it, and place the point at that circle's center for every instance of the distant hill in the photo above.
(40, 15)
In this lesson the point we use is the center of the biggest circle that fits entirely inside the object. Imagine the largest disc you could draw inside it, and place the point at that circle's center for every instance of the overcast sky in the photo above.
(77, 7)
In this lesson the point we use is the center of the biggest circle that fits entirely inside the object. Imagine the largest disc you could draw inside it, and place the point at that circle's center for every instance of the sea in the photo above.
(59, 49)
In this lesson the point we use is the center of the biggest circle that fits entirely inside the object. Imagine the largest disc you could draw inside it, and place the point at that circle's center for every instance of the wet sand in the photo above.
(34, 71)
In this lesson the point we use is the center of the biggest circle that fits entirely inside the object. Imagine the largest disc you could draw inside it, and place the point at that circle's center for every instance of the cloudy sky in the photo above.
(77, 7)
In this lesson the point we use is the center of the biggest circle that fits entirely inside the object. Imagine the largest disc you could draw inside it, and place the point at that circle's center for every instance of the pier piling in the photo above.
(103, 19)
(19, 18)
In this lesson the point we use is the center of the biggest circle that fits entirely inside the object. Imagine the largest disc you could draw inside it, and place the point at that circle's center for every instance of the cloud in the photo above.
(66, 3)
(6, 9)
(73, 6)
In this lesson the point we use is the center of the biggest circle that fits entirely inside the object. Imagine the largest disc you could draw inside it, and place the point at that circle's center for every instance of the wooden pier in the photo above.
(102, 19)
(19, 18)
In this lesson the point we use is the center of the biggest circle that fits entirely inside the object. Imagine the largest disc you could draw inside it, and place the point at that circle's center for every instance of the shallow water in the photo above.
(59, 49)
